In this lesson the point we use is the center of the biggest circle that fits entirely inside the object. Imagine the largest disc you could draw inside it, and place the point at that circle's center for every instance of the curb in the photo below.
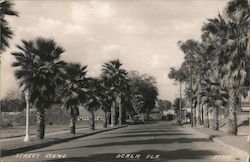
(13, 151)
(210, 137)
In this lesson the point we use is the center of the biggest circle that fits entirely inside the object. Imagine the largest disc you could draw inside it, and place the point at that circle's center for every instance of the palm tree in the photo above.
(38, 70)
(106, 102)
(74, 91)
(230, 51)
(191, 67)
(93, 102)
(180, 76)
(115, 77)
(239, 10)
(6, 9)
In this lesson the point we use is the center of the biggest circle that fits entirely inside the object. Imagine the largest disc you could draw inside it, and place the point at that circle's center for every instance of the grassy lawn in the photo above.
(20, 130)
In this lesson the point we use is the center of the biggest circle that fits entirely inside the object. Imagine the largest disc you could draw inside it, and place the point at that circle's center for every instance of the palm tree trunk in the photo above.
(206, 118)
(40, 117)
(202, 114)
(109, 118)
(92, 123)
(192, 113)
(248, 35)
(73, 125)
(120, 109)
(113, 114)
(147, 115)
(215, 118)
(232, 116)
(105, 120)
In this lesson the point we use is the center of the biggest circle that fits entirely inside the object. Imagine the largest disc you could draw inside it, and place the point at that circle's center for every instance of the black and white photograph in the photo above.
(125, 81)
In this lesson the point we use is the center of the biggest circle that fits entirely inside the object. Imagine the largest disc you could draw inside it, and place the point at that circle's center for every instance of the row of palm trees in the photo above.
(216, 68)
(47, 79)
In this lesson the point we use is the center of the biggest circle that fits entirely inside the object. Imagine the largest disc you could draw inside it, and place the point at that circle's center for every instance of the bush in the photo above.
(5, 123)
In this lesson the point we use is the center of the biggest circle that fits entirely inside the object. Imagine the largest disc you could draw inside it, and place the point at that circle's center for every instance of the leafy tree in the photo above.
(163, 105)
(176, 105)
(13, 105)
(38, 69)
(143, 92)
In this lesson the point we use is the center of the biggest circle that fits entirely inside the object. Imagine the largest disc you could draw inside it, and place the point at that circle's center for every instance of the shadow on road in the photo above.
(163, 156)
(152, 141)
(137, 142)
(145, 131)
(145, 135)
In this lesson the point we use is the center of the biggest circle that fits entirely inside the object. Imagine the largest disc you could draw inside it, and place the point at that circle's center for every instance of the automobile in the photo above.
(137, 119)
(169, 117)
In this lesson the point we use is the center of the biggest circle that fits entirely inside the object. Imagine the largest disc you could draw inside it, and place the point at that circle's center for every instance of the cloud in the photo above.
(90, 11)
(132, 26)
(48, 27)
(159, 61)
(112, 51)
(184, 27)
(74, 29)
(143, 34)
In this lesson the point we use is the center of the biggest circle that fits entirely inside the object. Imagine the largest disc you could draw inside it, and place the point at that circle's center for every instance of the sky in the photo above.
(143, 34)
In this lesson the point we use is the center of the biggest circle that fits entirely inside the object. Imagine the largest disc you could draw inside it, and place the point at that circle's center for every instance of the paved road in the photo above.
(156, 142)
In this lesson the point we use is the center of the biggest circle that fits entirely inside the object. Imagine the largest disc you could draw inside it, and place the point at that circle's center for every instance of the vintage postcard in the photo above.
(124, 80)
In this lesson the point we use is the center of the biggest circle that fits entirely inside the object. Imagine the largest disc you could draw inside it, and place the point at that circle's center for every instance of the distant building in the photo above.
(85, 114)
(245, 102)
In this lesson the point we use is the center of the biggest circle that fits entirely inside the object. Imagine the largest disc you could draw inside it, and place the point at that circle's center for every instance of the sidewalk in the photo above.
(238, 143)
(11, 146)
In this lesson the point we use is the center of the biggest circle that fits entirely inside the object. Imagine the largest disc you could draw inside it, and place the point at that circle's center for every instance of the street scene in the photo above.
(107, 80)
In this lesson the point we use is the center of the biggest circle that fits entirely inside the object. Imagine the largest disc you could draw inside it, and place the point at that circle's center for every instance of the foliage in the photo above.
(39, 69)
(143, 92)
(164, 104)
(74, 88)
(13, 105)
(6, 9)
(176, 104)
(14, 101)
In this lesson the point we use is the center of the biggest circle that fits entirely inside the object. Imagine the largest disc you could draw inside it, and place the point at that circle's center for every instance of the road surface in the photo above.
(155, 142)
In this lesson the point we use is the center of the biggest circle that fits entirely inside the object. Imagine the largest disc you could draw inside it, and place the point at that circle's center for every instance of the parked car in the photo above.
(168, 117)
(138, 119)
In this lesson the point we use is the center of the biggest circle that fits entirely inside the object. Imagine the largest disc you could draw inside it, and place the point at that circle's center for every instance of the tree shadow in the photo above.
(145, 131)
(152, 141)
(145, 135)
(180, 154)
